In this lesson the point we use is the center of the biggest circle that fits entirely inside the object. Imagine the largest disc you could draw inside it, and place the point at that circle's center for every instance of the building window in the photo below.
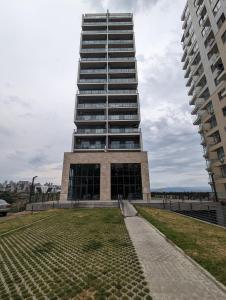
(223, 170)
(213, 122)
(222, 94)
(84, 182)
(216, 8)
(221, 21)
(224, 110)
(223, 37)
(126, 181)
(220, 153)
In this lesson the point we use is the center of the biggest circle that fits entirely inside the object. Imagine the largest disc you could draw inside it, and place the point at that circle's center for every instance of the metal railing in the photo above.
(91, 117)
(93, 59)
(124, 146)
(120, 31)
(123, 80)
(91, 131)
(122, 91)
(122, 105)
(121, 58)
(93, 31)
(120, 49)
(90, 147)
(124, 130)
(122, 70)
(120, 42)
(92, 92)
(88, 71)
(92, 81)
(89, 105)
(91, 50)
(94, 42)
(123, 117)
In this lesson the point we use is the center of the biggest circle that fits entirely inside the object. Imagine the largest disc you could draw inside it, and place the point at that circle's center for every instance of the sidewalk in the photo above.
(170, 274)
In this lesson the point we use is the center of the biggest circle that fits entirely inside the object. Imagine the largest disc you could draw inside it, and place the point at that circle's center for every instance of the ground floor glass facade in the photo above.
(84, 182)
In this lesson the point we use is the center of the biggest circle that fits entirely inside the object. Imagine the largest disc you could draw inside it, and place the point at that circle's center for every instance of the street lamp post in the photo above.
(31, 188)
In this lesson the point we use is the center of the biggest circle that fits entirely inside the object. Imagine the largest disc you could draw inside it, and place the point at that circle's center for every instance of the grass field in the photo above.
(75, 254)
(205, 243)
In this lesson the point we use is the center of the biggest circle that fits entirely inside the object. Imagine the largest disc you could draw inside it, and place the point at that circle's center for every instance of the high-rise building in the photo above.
(107, 161)
(204, 62)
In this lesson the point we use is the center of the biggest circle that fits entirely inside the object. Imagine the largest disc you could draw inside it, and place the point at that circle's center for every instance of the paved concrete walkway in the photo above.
(128, 210)
(170, 274)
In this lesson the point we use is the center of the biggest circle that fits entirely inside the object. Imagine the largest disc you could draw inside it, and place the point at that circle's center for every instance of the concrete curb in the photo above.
(204, 271)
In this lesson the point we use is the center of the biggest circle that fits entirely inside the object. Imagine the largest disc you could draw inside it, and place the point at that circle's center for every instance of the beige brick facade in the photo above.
(105, 160)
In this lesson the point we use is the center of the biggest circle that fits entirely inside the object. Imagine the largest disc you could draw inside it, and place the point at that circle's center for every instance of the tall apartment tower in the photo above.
(204, 62)
(107, 161)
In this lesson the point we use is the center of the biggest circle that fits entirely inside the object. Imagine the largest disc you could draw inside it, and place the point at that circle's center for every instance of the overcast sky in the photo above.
(38, 67)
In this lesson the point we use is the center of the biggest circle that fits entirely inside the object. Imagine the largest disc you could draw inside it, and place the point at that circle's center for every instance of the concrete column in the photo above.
(65, 179)
(105, 181)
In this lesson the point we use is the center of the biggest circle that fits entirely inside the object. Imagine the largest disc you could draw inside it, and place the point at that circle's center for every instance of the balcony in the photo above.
(122, 70)
(120, 31)
(124, 130)
(120, 42)
(97, 42)
(80, 92)
(94, 32)
(120, 23)
(88, 59)
(124, 146)
(122, 105)
(122, 92)
(92, 81)
(120, 49)
(93, 50)
(90, 71)
(90, 147)
(121, 59)
(92, 106)
(198, 103)
(91, 118)
(123, 80)
(90, 131)
(123, 117)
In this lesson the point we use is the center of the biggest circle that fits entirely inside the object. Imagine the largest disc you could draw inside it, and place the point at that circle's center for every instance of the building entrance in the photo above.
(126, 182)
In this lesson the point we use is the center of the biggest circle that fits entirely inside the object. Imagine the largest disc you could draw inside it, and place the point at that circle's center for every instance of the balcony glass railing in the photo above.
(124, 130)
(120, 31)
(92, 81)
(90, 71)
(120, 23)
(122, 91)
(93, 59)
(121, 58)
(93, 50)
(94, 31)
(91, 131)
(94, 23)
(92, 92)
(120, 49)
(123, 117)
(91, 147)
(120, 42)
(89, 105)
(123, 80)
(122, 70)
(122, 105)
(94, 42)
(124, 146)
(91, 117)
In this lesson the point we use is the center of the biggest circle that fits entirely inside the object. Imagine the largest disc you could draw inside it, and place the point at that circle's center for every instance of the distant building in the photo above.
(204, 62)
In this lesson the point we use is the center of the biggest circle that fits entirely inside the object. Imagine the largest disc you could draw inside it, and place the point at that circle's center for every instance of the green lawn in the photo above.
(205, 243)
(22, 220)
(76, 254)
